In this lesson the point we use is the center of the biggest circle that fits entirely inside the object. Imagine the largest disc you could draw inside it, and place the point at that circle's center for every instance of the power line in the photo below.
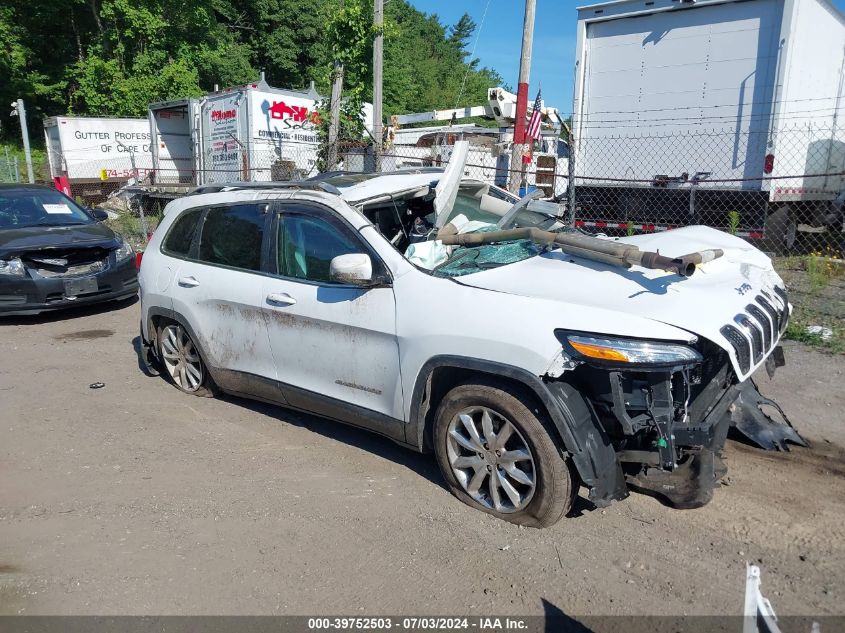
(472, 54)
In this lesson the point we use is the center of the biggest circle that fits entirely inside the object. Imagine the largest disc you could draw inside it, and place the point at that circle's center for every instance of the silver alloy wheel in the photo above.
(491, 459)
(181, 358)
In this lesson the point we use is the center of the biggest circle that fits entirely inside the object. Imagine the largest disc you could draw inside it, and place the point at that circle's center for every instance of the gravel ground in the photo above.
(137, 499)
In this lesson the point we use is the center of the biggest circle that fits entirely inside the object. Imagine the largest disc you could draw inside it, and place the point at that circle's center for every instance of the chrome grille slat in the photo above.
(784, 313)
(764, 322)
(770, 310)
(741, 346)
(755, 334)
(755, 331)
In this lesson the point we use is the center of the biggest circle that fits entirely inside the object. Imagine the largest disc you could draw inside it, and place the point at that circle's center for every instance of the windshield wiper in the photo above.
(75, 223)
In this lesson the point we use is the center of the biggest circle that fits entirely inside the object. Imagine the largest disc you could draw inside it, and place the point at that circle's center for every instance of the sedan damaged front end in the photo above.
(56, 254)
(35, 280)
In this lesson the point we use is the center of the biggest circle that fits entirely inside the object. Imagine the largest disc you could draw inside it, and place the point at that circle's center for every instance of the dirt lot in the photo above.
(137, 499)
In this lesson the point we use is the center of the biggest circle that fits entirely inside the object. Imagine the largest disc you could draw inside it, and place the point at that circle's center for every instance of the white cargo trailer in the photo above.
(685, 111)
(249, 132)
(89, 156)
(174, 129)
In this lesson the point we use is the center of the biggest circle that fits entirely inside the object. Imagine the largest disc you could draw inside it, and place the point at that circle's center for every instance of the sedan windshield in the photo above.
(21, 208)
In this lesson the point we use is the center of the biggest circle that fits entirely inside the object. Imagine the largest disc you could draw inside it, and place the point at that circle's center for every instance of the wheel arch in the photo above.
(156, 315)
(579, 432)
(441, 373)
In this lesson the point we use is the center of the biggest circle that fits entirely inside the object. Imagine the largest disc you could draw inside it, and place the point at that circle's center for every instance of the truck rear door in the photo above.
(667, 76)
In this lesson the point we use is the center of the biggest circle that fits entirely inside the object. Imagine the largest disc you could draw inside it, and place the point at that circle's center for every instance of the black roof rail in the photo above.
(217, 187)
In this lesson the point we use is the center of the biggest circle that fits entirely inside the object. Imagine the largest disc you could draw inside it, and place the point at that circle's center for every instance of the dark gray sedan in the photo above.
(56, 254)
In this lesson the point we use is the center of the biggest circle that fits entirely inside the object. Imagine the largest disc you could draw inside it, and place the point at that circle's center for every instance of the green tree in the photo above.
(114, 57)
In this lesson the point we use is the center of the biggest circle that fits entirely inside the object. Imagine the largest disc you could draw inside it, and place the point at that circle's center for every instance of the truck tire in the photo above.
(780, 231)
(496, 451)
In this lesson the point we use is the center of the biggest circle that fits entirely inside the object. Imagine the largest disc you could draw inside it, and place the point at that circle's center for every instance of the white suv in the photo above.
(396, 303)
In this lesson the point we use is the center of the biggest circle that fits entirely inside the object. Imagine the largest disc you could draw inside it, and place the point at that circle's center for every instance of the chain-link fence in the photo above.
(10, 168)
(783, 192)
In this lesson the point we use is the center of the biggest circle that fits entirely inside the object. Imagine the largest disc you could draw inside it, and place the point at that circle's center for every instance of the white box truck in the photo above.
(690, 111)
(250, 132)
(81, 150)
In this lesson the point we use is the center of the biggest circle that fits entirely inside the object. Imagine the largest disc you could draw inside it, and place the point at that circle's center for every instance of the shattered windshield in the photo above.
(412, 222)
(482, 208)
(473, 259)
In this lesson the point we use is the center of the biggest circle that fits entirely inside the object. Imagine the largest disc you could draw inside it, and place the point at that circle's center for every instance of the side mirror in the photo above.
(354, 268)
(99, 214)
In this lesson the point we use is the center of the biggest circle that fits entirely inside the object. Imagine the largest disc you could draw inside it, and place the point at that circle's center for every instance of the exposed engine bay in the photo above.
(662, 431)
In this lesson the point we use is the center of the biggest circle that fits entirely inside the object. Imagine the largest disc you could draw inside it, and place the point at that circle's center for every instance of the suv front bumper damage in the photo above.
(650, 432)
(749, 418)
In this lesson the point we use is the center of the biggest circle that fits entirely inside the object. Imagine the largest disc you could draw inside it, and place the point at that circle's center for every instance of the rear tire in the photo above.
(496, 451)
(181, 361)
(780, 231)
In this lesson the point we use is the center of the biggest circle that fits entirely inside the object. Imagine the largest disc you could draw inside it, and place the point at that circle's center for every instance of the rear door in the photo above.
(218, 290)
(685, 90)
(334, 344)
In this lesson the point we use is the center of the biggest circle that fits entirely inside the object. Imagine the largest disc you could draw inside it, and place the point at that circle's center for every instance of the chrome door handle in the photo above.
(188, 282)
(280, 299)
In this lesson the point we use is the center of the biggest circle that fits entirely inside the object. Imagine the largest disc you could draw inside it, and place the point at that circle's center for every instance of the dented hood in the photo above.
(701, 304)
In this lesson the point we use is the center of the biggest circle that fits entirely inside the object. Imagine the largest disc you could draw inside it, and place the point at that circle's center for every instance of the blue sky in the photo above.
(501, 37)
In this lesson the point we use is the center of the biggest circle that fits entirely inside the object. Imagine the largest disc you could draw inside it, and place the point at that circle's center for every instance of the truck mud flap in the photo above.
(748, 418)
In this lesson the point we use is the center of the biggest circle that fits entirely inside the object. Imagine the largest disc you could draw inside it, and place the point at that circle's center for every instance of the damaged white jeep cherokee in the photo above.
(448, 316)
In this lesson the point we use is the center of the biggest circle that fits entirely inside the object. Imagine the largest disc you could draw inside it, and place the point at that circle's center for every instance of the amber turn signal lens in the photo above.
(599, 352)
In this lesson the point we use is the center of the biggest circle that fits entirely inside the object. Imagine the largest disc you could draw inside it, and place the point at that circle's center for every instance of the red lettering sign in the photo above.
(299, 114)
(222, 115)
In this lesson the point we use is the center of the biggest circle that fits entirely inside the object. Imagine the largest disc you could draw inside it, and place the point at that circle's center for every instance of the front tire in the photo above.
(496, 453)
(182, 362)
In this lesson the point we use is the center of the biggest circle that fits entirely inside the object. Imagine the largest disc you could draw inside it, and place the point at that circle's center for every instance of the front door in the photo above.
(334, 344)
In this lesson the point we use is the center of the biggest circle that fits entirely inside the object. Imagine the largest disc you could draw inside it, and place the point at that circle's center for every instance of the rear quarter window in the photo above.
(181, 235)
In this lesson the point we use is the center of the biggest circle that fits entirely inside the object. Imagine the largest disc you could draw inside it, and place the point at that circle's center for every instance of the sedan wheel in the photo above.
(491, 460)
(181, 359)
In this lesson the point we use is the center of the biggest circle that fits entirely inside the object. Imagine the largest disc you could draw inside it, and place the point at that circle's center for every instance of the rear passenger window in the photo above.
(181, 236)
(232, 236)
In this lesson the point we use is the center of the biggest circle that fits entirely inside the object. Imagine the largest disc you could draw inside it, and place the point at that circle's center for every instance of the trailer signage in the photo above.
(289, 119)
(80, 148)
(223, 134)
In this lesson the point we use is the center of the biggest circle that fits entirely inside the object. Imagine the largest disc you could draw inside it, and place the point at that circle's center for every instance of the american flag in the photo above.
(533, 131)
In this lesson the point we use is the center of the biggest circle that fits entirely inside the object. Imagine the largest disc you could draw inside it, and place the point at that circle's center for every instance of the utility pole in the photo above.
(522, 97)
(378, 59)
(140, 203)
(334, 124)
(19, 111)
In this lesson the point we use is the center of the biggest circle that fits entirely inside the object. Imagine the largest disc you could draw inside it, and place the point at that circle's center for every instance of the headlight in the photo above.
(616, 351)
(124, 251)
(12, 267)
